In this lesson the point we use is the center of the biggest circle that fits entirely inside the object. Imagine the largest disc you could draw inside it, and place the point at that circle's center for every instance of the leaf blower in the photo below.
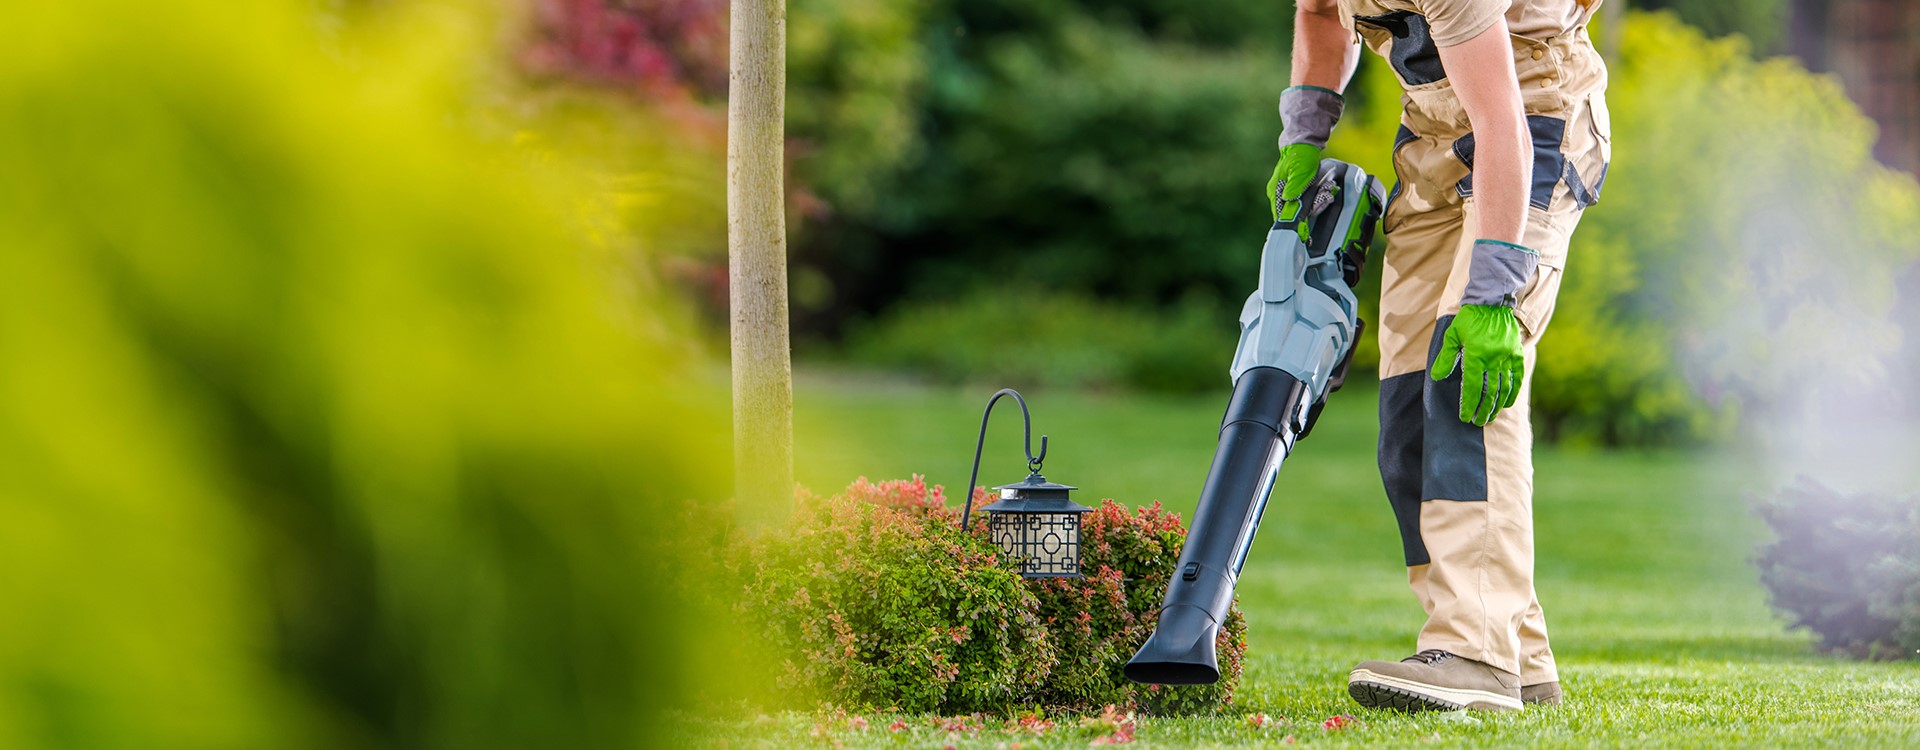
(1297, 334)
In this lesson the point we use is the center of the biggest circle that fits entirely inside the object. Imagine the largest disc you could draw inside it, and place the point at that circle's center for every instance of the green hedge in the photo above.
(956, 147)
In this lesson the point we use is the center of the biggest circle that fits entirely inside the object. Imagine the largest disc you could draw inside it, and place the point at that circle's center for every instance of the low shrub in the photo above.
(1099, 621)
(875, 598)
(1846, 567)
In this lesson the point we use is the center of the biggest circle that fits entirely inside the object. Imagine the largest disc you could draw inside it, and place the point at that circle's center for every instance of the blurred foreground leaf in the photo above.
(324, 420)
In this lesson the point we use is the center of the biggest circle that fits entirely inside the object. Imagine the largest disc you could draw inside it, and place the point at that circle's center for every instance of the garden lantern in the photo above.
(1036, 524)
(1034, 521)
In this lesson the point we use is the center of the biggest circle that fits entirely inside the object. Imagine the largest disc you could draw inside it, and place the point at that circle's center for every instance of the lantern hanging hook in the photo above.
(1033, 460)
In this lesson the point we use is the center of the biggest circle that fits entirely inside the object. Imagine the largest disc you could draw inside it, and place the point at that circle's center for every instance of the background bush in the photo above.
(1745, 246)
(1761, 22)
(1075, 148)
(1846, 567)
(875, 598)
(1109, 155)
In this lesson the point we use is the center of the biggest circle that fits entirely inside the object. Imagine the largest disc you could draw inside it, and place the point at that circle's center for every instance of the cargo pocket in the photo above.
(1587, 171)
(1400, 171)
(1538, 71)
(1549, 169)
(1536, 301)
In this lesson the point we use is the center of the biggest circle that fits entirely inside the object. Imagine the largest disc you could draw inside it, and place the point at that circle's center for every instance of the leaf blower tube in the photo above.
(1297, 333)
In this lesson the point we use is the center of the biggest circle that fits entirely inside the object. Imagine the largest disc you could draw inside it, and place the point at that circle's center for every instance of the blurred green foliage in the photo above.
(1092, 164)
(322, 421)
(1096, 150)
(1744, 250)
(1762, 22)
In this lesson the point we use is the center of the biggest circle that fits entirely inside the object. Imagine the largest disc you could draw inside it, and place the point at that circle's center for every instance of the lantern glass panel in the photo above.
(1047, 544)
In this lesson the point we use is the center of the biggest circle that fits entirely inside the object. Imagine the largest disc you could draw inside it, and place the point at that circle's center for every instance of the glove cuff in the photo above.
(1308, 114)
(1497, 273)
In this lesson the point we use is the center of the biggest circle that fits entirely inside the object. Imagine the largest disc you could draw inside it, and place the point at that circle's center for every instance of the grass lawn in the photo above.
(1661, 628)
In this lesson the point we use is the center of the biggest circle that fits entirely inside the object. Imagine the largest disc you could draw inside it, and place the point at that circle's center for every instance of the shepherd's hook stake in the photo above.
(1033, 461)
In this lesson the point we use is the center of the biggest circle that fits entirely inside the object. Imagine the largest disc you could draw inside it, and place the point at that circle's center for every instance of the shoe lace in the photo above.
(1429, 656)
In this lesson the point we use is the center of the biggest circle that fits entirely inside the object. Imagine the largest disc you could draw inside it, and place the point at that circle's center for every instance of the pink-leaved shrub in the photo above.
(1099, 621)
(874, 597)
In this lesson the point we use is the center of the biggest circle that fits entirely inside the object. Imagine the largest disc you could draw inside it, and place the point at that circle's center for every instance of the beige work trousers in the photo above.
(1463, 495)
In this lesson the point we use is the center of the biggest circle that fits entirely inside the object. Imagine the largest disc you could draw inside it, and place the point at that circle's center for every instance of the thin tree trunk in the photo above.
(757, 261)
(1611, 17)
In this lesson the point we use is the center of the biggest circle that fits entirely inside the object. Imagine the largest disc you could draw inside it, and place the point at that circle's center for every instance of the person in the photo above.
(1503, 141)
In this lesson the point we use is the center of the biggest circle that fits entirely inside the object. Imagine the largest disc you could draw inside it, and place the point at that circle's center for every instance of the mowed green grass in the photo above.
(1661, 628)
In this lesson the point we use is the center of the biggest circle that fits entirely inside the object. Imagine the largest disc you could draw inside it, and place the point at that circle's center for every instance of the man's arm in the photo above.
(1481, 69)
(1484, 339)
(1324, 52)
(1324, 55)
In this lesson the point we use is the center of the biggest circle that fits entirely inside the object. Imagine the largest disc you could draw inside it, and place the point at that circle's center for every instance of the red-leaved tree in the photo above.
(665, 49)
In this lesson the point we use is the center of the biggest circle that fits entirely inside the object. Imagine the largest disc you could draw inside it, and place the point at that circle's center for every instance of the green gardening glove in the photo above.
(1484, 338)
(1308, 114)
(1299, 164)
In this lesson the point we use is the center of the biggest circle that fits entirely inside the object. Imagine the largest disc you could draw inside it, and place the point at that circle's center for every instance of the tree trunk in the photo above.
(757, 261)
(1612, 21)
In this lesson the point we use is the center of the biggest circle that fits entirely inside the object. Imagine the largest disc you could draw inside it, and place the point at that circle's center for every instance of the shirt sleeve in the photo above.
(1454, 21)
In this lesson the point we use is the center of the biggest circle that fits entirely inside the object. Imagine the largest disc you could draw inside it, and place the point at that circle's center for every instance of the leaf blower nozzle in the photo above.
(1297, 333)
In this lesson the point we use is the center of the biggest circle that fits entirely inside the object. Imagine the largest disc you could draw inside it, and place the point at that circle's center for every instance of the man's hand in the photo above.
(1324, 56)
(1485, 336)
(1484, 340)
(1299, 164)
(1307, 114)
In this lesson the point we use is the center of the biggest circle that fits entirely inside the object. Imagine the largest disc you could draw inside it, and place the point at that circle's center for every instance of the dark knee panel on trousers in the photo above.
(1426, 452)
(1401, 427)
(1455, 466)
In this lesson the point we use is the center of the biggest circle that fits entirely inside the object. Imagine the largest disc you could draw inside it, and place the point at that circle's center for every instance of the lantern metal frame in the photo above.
(1035, 522)
(1031, 513)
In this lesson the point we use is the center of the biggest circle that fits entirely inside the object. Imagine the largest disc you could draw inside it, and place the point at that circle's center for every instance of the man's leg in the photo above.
(1466, 513)
(1476, 509)
(1423, 273)
(1423, 229)
(1419, 260)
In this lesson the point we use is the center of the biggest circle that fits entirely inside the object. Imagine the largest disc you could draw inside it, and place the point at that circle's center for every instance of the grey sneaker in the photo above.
(1541, 693)
(1434, 679)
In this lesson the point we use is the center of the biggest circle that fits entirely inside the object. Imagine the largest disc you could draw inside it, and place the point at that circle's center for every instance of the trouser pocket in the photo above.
(1401, 171)
(1537, 300)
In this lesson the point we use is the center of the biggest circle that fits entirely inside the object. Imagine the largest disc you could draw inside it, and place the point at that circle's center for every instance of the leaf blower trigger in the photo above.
(1297, 334)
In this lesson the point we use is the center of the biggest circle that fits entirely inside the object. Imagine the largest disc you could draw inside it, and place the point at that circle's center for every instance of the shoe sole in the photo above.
(1374, 690)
